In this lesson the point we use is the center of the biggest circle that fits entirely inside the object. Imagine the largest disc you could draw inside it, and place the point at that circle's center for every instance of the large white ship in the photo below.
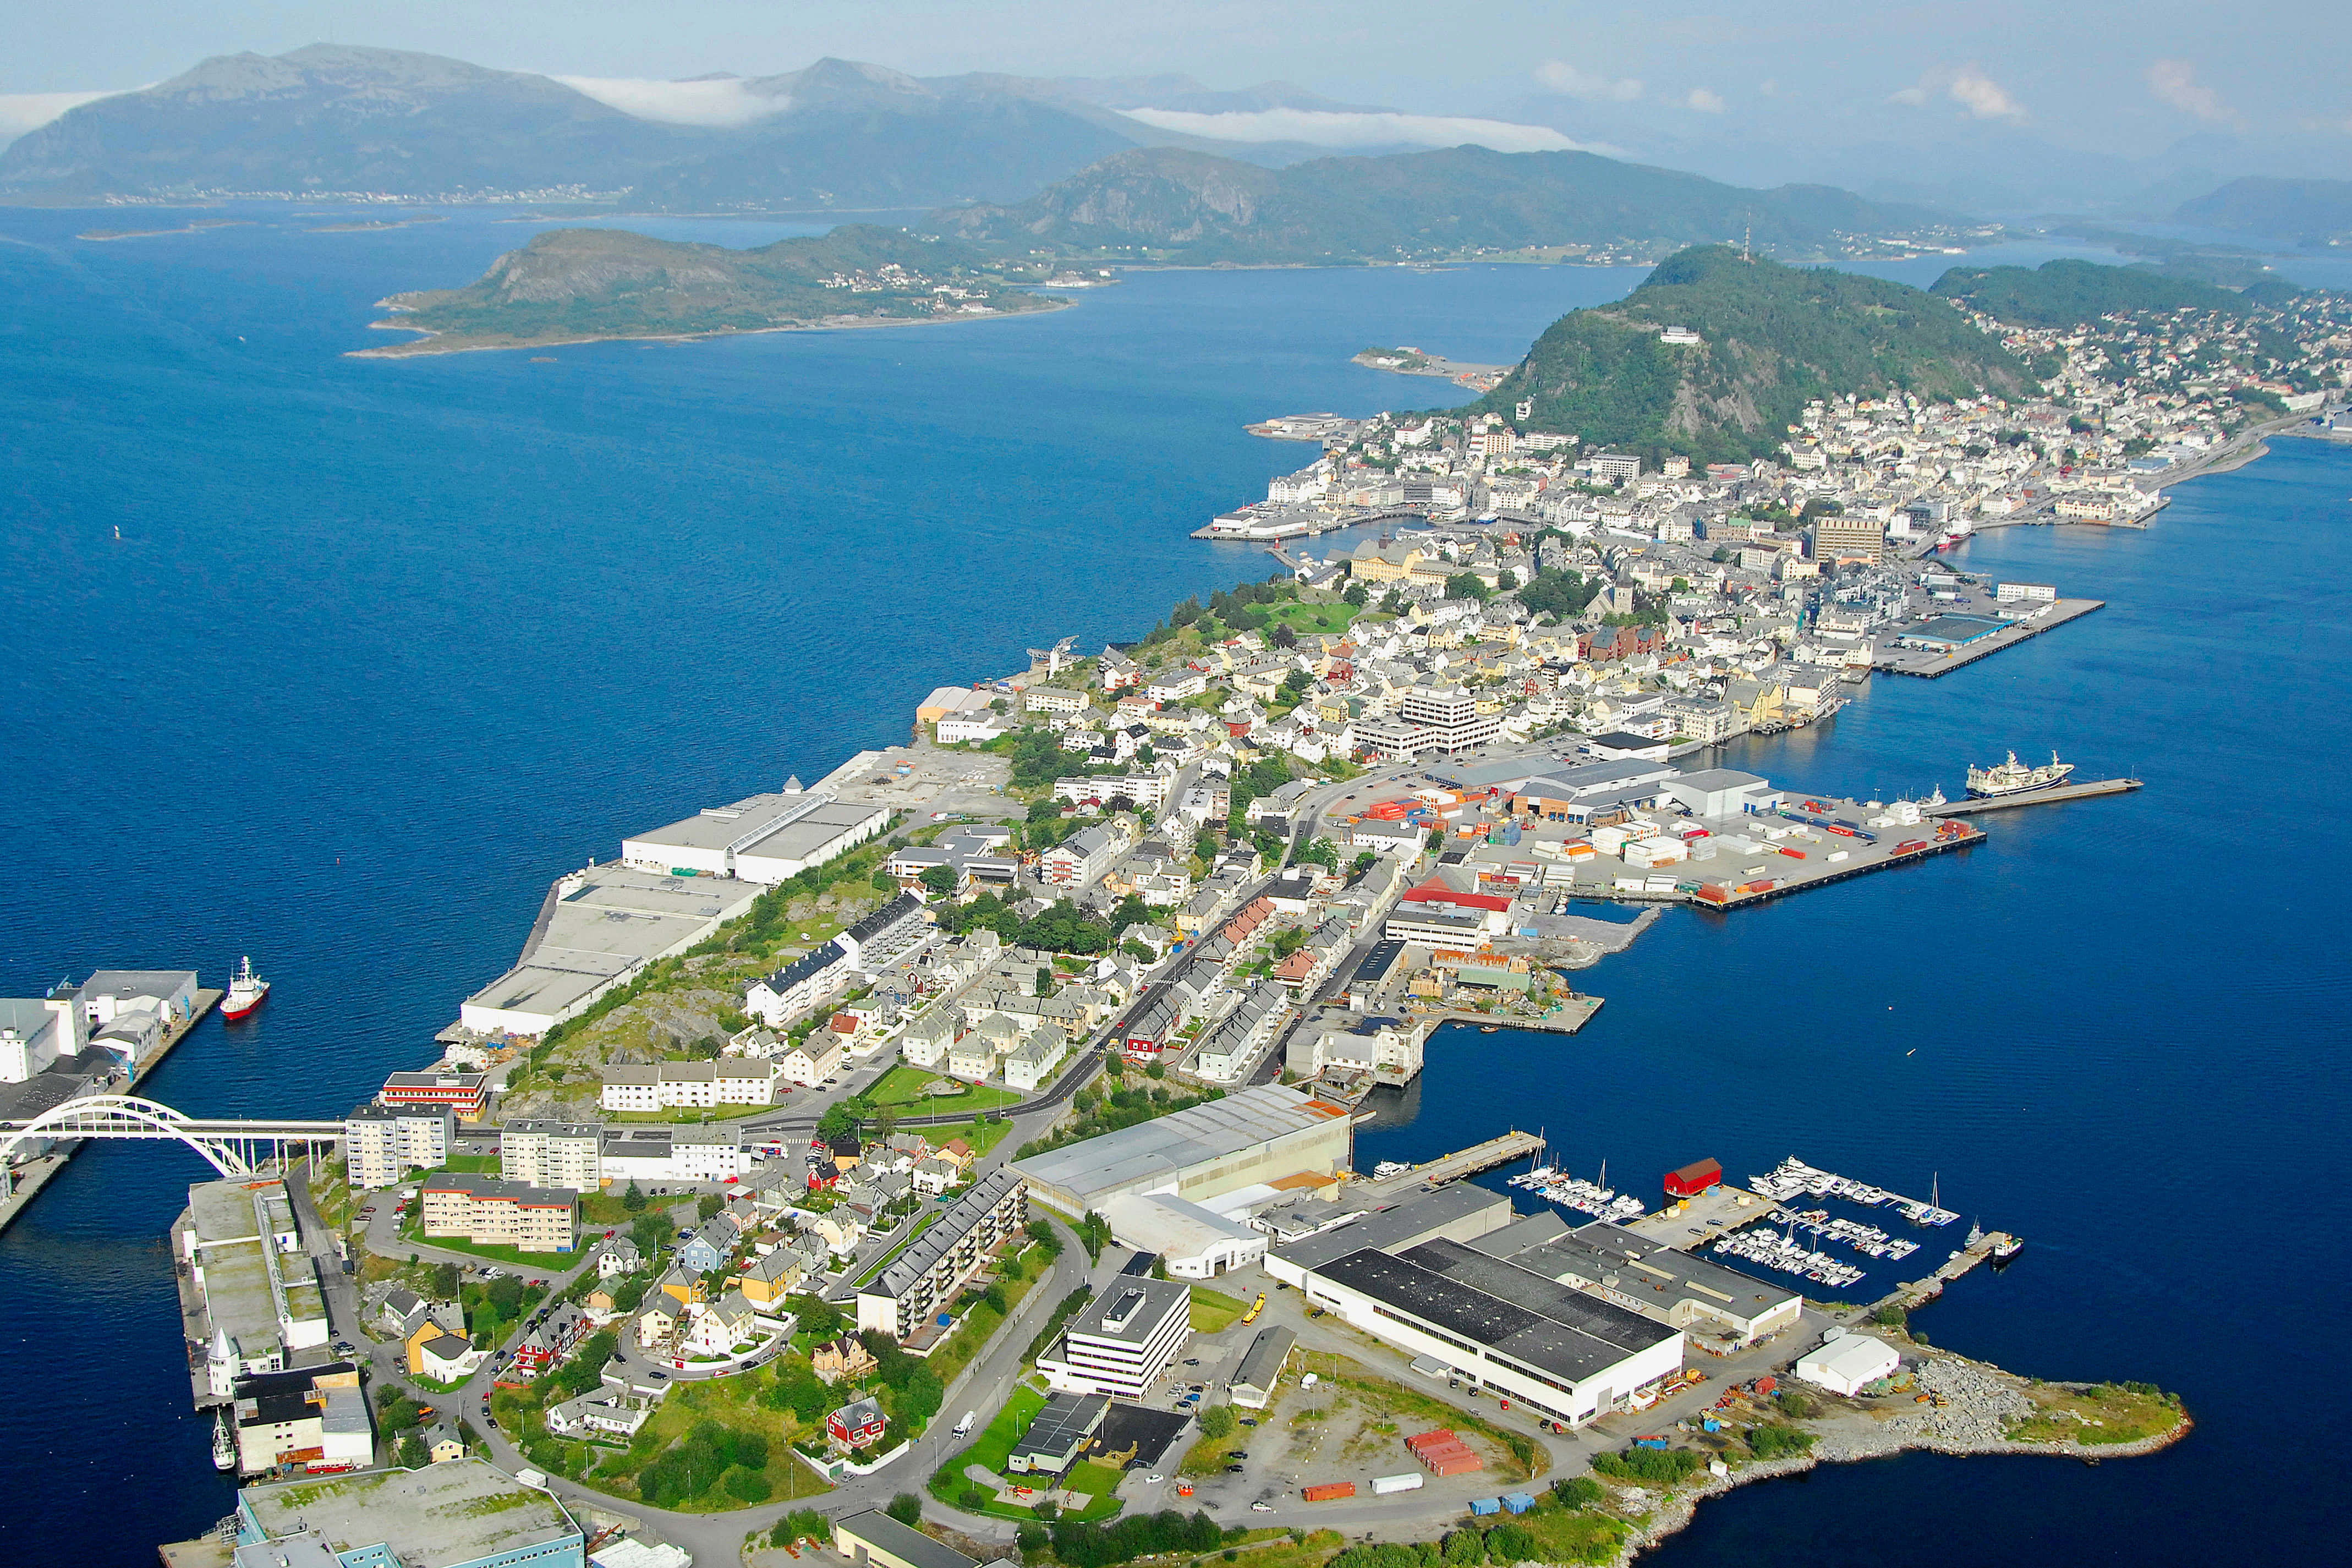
(2013, 777)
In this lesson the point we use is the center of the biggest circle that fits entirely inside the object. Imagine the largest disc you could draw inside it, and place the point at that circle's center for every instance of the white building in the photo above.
(553, 1154)
(746, 1080)
(779, 998)
(811, 1063)
(1033, 1063)
(660, 1085)
(383, 1142)
(760, 839)
(1843, 1365)
(1123, 1341)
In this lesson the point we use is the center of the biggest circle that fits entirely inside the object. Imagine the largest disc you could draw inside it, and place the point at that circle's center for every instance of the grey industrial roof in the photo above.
(1401, 1225)
(1633, 1266)
(1171, 1144)
(1262, 1362)
(460, 1510)
(718, 827)
(804, 836)
(1718, 778)
(877, 1528)
(1509, 1310)
(1064, 1424)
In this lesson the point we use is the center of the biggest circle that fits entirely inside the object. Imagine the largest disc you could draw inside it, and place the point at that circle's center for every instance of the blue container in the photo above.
(1485, 1505)
(1517, 1502)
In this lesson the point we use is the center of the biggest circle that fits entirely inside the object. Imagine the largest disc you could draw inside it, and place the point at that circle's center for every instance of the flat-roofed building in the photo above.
(759, 838)
(382, 1143)
(1123, 1341)
(256, 1288)
(462, 1513)
(919, 1281)
(1058, 1434)
(465, 1095)
(553, 1154)
(873, 1540)
(1194, 1243)
(1257, 1137)
(1459, 1211)
(1570, 1355)
(1674, 1286)
(490, 1212)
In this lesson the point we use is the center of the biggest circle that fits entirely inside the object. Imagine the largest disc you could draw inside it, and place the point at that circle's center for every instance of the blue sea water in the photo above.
(384, 646)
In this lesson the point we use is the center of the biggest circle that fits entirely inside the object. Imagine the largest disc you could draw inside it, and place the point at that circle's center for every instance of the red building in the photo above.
(856, 1425)
(466, 1094)
(1693, 1179)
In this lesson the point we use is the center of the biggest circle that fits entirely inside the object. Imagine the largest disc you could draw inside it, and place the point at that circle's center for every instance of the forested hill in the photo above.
(2067, 292)
(1165, 204)
(1772, 338)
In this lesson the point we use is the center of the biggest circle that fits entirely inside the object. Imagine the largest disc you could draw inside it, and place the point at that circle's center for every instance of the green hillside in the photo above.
(573, 284)
(1773, 339)
(1165, 204)
(2065, 293)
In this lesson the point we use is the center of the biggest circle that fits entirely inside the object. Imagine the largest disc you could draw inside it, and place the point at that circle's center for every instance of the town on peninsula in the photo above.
(951, 1159)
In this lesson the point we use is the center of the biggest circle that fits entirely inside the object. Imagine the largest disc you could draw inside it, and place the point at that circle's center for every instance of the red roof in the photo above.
(1436, 893)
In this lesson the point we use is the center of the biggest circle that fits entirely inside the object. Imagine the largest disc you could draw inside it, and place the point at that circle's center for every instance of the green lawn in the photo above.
(995, 1445)
(410, 1231)
(980, 1136)
(903, 1087)
(1305, 617)
(1213, 1312)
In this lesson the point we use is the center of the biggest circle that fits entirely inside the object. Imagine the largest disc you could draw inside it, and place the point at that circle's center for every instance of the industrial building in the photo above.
(256, 1290)
(873, 1540)
(382, 1143)
(314, 1419)
(1570, 1356)
(1193, 1242)
(600, 927)
(1843, 1365)
(1253, 1382)
(1123, 1341)
(924, 1279)
(1680, 1288)
(461, 1513)
(1459, 1211)
(1247, 1147)
(763, 838)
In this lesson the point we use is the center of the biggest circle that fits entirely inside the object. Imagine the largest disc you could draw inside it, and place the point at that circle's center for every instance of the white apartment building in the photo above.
(553, 1154)
(746, 1080)
(659, 1086)
(1123, 1340)
(383, 1142)
(1450, 717)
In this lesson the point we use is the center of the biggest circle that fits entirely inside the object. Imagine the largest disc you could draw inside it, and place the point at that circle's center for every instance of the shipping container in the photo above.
(1517, 1502)
(1837, 854)
(1766, 1384)
(1386, 1486)
(1792, 854)
(1485, 1505)
(1330, 1491)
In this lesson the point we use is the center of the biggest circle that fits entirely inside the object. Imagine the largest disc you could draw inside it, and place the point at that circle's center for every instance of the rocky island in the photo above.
(582, 285)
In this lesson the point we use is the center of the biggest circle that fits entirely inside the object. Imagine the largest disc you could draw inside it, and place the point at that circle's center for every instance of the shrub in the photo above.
(1774, 1439)
(1792, 1405)
(747, 1486)
(1509, 1543)
(1464, 1549)
(1138, 1535)
(1577, 1491)
(1217, 1421)
(973, 1499)
(906, 1507)
(1656, 1467)
(1030, 1538)
(1890, 1315)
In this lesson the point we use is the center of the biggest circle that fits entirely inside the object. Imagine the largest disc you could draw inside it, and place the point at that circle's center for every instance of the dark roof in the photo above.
(1522, 1316)
(908, 1545)
(1064, 1424)
(1262, 1362)
(804, 967)
(886, 917)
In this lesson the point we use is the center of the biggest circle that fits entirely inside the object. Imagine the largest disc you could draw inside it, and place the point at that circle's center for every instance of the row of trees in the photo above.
(1137, 1535)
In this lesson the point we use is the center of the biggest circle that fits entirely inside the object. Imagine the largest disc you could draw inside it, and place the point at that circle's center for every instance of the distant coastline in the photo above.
(100, 236)
(431, 342)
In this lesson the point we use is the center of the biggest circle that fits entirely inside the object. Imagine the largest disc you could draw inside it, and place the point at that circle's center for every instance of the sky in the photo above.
(1801, 84)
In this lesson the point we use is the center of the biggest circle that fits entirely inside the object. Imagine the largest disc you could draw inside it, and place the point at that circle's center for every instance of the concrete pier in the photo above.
(1494, 1152)
(2054, 794)
(1930, 665)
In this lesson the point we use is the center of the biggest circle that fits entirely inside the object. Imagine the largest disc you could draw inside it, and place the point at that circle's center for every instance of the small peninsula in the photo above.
(584, 285)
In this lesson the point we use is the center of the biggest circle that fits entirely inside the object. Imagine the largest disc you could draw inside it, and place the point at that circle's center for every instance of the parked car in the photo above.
(1261, 1507)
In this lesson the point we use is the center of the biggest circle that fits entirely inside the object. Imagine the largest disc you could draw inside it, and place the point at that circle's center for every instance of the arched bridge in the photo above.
(233, 1147)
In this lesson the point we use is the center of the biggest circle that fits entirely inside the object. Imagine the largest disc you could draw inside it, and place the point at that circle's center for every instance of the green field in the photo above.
(1305, 617)
(980, 1136)
(903, 1087)
(1213, 1312)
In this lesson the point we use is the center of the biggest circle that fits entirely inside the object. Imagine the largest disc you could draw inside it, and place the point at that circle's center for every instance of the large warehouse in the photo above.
(1676, 1287)
(1258, 1143)
(759, 838)
(1568, 1354)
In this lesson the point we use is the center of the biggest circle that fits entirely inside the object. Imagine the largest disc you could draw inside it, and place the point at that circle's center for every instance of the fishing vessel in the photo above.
(224, 1446)
(2013, 777)
(245, 991)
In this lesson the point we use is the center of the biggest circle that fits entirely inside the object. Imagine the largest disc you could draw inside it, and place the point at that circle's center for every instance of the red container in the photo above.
(1330, 1491)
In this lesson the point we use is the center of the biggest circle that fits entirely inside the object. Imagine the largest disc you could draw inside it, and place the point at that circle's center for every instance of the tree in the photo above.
(651, 1233)
(1510, 580)
(1094, 1233)
(1049, 1240)
(1393, 603)
(1466, 585)
(445, 1281)
(709, 1205)
(906, 1507)
(633, 1200)
(884, 883)
(883, 1122)
(1357, 595)
(412, 1456)
(1217, 1421)
(1283, 637)
(940, 879)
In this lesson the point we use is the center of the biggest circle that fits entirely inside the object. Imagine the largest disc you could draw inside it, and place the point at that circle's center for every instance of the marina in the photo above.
(1596, 1198)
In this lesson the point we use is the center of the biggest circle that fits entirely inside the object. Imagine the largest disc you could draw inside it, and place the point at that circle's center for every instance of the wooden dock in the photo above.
(2049, 796)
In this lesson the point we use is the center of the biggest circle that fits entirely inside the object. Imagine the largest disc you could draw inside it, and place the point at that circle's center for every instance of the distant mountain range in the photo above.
(1173, 204)
(1097, 166)
(1772, 338)
(2304, 212)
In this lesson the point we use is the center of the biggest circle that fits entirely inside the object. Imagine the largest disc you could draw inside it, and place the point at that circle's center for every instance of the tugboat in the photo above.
(245, 991)
(2013, 777)
(2007, 1248)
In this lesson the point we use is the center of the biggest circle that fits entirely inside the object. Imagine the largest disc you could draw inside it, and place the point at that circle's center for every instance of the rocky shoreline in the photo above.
(1981, 1399)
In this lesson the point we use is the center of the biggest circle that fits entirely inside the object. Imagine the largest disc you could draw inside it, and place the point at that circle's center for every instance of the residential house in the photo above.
(844, 1360)
(856, 1425)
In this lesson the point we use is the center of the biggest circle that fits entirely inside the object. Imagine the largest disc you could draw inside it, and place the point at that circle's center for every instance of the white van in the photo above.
(963, 1428)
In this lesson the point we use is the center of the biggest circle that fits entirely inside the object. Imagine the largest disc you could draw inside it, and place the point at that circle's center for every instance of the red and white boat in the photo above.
(245, 993)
